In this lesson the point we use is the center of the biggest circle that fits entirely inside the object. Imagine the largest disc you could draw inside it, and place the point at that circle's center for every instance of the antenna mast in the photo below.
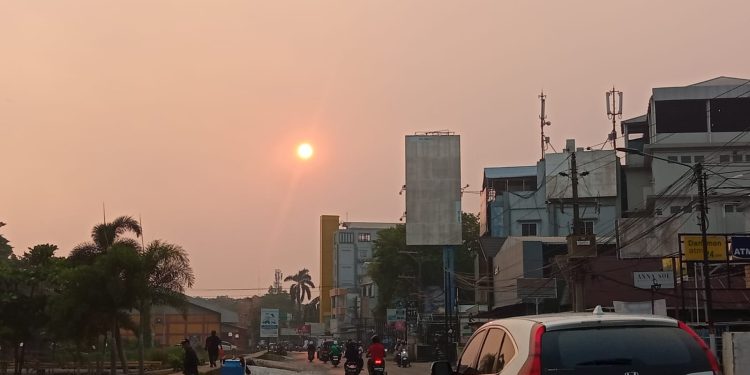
(614, 111)
(542, 122)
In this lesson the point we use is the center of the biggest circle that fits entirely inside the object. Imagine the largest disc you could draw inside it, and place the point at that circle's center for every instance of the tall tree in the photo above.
(301, 288)
(26, 284)
(104, 238)
(393, 259)
(164, 275)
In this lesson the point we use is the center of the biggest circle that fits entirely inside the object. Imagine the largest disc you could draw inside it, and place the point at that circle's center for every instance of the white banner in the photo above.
(269, 322)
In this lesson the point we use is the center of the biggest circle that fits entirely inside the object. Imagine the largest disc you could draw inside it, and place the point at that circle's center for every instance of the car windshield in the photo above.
(622, 350)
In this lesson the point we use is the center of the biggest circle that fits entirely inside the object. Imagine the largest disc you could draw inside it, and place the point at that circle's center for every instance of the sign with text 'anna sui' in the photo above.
(648, 280)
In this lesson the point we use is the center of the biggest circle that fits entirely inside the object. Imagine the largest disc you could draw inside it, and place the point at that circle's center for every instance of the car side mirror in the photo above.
(441, 368)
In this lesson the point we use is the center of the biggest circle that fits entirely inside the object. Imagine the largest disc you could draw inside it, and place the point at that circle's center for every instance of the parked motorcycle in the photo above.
(335, 358)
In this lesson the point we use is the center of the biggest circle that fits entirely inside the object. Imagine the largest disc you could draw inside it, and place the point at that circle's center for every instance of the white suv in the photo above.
(584, 344)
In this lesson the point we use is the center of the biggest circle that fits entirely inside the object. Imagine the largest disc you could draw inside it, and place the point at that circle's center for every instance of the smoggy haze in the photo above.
(189, 112)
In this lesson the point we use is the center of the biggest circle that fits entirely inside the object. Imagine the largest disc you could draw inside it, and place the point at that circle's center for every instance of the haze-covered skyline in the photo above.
(189, 113)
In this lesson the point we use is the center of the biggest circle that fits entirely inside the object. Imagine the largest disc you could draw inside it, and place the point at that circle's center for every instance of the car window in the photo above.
(644, 350)
(507, 352)
(490, 351)
(467, 365)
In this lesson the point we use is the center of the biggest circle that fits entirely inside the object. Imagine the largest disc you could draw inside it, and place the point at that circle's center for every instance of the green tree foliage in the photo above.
(395, 268)
(301, 288)
(26, 284)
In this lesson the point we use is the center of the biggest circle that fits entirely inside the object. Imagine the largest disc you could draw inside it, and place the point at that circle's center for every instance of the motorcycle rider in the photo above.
(352, 354)
(376, 351)
(335, 349)
(311, 350)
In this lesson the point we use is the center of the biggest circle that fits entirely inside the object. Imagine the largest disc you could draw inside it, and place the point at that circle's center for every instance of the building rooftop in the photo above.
(366, 225)
(510, 172)
(226, 315)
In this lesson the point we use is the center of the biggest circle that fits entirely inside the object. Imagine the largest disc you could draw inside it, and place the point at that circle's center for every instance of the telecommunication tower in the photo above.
(614, 111)
(277, 276)
(543, 122)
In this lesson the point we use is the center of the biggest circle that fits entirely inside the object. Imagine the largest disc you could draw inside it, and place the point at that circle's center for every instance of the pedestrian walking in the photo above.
(190, 364)
(213, 343)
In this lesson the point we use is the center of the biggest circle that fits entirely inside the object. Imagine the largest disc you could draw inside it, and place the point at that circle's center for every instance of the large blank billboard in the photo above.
(433, 190)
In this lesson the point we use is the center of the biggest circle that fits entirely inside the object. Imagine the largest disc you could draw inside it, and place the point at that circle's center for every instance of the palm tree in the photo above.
(165, 274)
(302, 287)
(105, 237)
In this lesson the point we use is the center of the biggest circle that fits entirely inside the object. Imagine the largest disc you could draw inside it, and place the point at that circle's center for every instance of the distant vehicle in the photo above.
(228, 346)
(324, 351)
(584, 344)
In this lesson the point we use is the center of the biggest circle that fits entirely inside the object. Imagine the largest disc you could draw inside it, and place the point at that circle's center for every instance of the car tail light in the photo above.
(378, 362)
(711, 358)
(533, 365)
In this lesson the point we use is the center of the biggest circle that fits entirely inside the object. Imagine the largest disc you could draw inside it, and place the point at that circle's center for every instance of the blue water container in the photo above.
(232, 367)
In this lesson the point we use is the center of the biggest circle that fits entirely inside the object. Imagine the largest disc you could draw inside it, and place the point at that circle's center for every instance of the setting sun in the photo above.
(304, 151)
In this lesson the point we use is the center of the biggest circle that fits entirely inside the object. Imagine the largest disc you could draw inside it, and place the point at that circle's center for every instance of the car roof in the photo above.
(560, 321)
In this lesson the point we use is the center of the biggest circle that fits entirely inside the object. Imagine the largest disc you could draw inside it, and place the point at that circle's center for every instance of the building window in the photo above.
(346, 237)
(658, 211)
(588, 227)
(698, 158)
(673, 158)
(528, 229)
(674, 210)
(732, 208)
(363, 237)
(723, 158)
(686, 159)
(736, 158)
(747, 157)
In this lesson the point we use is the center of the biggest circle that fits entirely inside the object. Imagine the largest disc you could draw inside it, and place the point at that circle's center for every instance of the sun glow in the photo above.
(304, 151)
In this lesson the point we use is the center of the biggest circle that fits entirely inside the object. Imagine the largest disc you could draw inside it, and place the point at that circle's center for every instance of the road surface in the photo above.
(300, 362)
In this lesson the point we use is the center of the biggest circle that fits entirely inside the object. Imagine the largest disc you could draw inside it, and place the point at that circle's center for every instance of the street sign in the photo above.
(269, 322)
(394, 315)
(692, 248)
(646, 280)
(536, 288)
(740, 247)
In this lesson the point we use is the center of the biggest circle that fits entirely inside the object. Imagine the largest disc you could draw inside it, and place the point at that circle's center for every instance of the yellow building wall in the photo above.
(329, 224)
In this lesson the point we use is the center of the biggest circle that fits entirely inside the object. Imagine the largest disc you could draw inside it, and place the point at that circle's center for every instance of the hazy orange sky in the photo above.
(189, 112)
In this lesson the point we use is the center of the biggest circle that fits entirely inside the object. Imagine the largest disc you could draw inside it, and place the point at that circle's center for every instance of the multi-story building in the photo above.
(329, 224)
(705, 123)
(352, 249)
(536, 202)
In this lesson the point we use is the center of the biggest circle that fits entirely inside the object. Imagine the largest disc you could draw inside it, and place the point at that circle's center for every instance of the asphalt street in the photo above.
(317, 367)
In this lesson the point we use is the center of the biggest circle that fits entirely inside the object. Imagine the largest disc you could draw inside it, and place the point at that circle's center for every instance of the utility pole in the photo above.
(577, 274)
(543, 121)
(701, 176)
(614, 110)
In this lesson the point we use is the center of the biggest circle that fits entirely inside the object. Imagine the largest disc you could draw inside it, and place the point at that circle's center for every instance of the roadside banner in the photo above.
(692, 248)
(269, 322)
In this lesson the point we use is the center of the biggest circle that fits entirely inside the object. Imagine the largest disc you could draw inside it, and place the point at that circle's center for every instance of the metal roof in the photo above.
(226, 315)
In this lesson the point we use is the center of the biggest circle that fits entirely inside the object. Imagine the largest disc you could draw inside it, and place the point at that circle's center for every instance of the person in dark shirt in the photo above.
(352, 354)
(190, 364)
(212, 347)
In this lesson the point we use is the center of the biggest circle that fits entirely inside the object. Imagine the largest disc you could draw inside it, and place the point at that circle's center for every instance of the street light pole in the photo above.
(700, 176)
